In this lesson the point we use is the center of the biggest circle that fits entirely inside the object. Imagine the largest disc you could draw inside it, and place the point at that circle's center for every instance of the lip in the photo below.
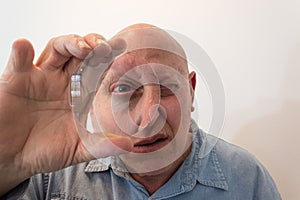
(150, 144)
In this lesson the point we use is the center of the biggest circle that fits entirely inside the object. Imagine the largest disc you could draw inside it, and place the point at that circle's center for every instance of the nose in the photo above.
(147, 113)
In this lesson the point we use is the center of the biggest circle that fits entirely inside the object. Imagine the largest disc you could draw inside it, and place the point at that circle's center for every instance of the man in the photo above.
(143, 99)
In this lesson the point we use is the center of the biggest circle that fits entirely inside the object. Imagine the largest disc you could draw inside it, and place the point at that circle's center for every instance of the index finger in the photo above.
(60, 50)
(104, 51)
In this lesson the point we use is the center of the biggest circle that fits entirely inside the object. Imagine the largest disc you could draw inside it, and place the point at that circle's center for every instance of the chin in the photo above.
(151, 162)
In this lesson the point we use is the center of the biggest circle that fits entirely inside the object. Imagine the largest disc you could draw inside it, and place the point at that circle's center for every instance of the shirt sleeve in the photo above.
(265, 187)
(30, 189)
(246, 176)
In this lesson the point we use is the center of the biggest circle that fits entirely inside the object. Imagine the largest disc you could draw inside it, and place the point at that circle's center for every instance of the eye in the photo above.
(168, 90)
(122, 88)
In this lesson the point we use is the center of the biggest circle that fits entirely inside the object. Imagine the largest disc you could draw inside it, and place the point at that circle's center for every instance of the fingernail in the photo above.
(98, 41)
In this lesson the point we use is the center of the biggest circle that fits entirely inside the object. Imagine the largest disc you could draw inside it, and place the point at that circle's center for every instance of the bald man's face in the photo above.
(147, 95)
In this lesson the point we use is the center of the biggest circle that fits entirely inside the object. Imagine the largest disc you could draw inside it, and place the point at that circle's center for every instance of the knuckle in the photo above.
(94, 39)
(74, 36)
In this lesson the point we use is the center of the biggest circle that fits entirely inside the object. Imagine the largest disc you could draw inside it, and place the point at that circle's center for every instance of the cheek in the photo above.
(173, 110)
(178, 113)
(102, 114)
(108, 118)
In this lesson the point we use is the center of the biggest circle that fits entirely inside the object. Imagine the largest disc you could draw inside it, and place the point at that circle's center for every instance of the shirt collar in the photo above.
(204, 161)
(202, 164)
(104, 164)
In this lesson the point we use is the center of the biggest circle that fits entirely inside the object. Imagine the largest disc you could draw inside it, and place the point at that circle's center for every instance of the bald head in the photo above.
(147, 36)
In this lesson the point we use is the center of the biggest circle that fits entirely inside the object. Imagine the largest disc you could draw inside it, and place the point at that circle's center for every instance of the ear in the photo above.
(192, 81)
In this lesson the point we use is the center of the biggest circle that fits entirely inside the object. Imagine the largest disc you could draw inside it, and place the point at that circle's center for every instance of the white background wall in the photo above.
(255, 46)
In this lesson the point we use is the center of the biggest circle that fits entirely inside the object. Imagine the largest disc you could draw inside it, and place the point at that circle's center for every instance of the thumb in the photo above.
(21, 57)
(100, 145)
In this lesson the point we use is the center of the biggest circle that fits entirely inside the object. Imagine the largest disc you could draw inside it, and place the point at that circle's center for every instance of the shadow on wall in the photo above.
(275, 137)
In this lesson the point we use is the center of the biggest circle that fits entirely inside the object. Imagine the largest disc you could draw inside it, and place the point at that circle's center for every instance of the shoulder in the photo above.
(236, 161)
(235, 156)
(243, 171)
(224, 153)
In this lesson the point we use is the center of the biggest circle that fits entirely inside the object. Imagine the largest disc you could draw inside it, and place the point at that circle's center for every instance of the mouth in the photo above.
(151, 144)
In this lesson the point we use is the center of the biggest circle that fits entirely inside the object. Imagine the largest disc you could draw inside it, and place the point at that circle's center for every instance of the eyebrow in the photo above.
(113, 76)
(107, 80)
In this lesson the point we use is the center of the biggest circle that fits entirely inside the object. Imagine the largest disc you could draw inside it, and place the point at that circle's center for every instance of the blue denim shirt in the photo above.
(214, 170)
